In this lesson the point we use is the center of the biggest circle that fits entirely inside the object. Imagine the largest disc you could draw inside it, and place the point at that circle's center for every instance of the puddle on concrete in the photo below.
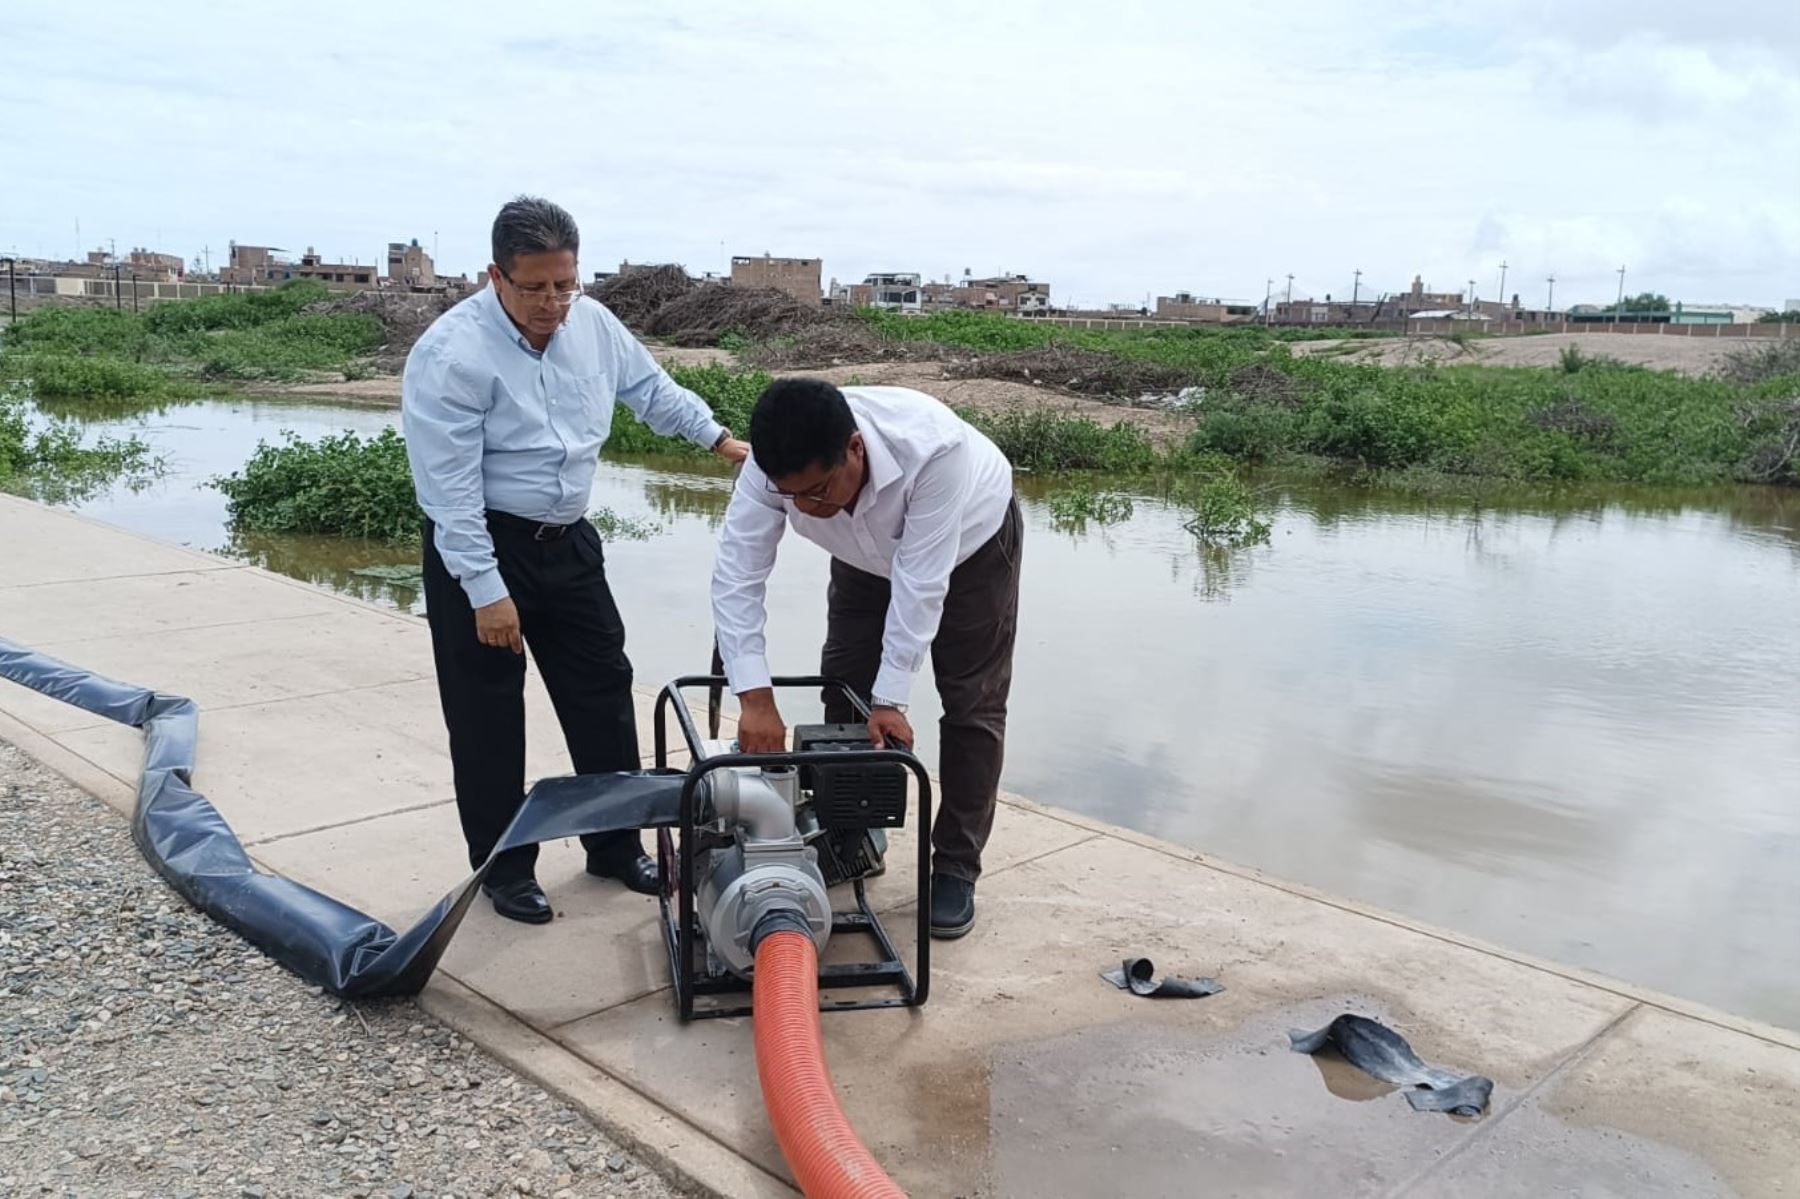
(1165, 1111)
(1162, 1111)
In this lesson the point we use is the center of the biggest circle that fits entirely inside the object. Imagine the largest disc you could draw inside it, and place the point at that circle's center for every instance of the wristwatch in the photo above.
(724, 436)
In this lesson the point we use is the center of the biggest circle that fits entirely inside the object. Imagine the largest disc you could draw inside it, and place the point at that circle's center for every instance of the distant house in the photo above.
(798, 277)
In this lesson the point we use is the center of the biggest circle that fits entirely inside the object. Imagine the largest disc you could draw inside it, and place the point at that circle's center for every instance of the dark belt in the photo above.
(536, 529)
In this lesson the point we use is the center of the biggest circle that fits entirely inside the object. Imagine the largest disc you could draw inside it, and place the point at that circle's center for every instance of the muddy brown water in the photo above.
(1565, 724)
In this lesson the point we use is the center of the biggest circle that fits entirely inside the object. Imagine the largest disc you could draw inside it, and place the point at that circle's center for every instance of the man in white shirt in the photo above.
(916, 508)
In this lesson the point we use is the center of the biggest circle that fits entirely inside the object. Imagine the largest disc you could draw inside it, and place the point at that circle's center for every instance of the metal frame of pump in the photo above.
(682, 932)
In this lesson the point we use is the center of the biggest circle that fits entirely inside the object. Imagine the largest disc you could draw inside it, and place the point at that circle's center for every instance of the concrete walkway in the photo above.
(1026, 1074)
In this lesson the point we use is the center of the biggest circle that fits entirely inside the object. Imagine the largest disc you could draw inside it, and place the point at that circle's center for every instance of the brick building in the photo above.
(346, 275)
(255, 266)
(410, 267)
(151, 267)
(798, 277)
(1002, 293)
(1185, 306)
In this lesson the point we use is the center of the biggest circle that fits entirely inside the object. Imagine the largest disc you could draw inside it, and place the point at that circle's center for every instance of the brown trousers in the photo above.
(971, 658)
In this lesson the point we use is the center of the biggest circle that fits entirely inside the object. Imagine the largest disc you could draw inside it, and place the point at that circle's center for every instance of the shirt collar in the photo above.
(497, 313)
(883, 467)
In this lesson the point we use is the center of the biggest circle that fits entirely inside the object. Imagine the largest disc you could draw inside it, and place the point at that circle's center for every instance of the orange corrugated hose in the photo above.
(827, 1157)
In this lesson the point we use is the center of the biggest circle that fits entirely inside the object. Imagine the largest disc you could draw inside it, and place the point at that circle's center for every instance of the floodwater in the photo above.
(1567, 725)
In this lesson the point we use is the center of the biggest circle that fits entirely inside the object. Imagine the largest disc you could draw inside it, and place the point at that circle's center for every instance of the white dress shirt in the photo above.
(937, 490)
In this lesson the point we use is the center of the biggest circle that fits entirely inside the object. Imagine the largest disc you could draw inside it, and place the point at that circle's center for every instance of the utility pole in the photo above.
(1619, 308)
(1502, 296)
(134, 299)
(12, 291)
(118, 296)
(1355, 289)
(1268, 291)
(1550, 300)
(1290, 295)
(1471, 297)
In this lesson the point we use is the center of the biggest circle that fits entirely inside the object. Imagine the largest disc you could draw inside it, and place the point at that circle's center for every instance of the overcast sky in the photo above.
(1114, 149)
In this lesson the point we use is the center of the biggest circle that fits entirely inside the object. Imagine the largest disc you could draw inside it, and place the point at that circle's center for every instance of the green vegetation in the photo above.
(1593, 420)
(60, 377)
(340, 485)
(171, 348)
(730, 393)
(1790, 317)
(613, 527)
(1223, 511)
(45, 458)
(1046, 442)
(1076, 508)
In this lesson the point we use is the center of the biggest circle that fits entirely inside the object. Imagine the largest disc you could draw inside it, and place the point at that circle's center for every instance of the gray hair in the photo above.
(533, 225)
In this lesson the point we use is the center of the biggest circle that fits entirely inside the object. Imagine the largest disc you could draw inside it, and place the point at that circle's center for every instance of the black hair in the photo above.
(533, 225)
(799, 423)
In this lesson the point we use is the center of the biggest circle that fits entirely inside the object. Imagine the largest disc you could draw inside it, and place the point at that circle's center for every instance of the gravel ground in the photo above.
(147, 1053)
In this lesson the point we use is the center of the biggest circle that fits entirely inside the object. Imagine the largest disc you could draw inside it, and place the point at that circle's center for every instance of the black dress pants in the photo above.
(572, 628)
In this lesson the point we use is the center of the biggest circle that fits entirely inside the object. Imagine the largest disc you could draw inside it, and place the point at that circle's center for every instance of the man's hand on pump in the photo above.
(888, 728)
(760, 730)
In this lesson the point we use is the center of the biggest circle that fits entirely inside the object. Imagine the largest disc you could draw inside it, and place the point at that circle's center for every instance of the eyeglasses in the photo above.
(543, 291)
(816, 493)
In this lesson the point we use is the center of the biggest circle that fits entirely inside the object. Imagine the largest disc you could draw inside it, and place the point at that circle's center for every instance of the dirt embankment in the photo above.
(1692, 356)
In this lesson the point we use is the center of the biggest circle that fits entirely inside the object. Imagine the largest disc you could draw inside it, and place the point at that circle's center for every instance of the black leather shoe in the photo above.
(952, 906)
(637, 871)
(522, 900)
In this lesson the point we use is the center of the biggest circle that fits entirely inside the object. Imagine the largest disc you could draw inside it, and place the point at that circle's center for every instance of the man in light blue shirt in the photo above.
(506, 402)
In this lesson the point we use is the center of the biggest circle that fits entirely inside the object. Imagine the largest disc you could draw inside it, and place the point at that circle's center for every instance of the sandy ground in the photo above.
(384, 390)
(995, 396)
(1687, 355)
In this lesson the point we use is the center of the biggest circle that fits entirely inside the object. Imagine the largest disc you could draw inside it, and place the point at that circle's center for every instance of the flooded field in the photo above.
(1567, 725)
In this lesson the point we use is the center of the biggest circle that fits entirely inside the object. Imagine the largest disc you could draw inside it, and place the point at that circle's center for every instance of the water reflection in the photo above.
(1562, 720)
(336, 563)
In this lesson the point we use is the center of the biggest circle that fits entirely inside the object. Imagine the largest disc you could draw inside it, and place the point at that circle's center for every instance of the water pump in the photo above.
(758, 872)
(748, 871)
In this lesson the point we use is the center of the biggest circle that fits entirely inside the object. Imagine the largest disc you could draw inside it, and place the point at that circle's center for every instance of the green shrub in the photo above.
(235, 310)
(340, 485)
(62, 377)
(58, 330)
(1223, 512)
(1075, 508)
(731, 394)
(246, 335)
(1047, 442)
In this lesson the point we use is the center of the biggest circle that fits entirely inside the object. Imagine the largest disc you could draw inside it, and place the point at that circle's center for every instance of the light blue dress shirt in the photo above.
(492, 424)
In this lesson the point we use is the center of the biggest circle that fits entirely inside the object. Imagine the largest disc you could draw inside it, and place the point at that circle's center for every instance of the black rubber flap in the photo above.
(1138, 975)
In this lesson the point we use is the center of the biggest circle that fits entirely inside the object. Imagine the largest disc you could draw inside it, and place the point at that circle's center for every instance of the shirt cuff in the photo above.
(710, 435)
(892, 684)
(485, 588)
(748, 673)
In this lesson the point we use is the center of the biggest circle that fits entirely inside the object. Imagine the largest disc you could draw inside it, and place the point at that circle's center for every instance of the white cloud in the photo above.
(1139, 147)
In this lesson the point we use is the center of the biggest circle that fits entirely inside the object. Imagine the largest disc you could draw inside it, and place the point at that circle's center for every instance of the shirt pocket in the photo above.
(593, 392)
